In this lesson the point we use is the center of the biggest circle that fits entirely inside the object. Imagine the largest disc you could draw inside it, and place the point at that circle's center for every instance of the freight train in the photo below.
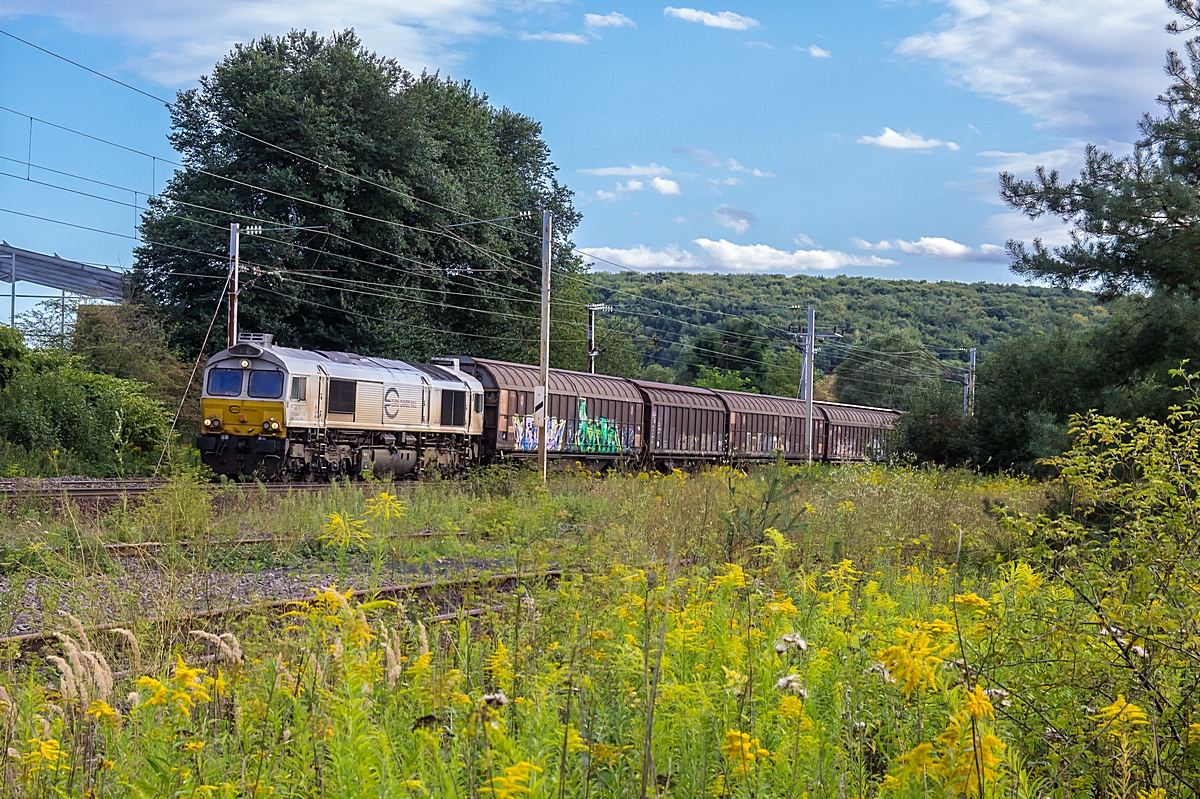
(278, 413)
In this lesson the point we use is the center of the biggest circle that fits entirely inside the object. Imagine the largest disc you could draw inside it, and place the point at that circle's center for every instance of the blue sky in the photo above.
(860, 137)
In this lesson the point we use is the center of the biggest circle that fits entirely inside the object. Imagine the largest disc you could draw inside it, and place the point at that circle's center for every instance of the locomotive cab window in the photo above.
(225, 382)
(478, 403)
(343, 396)
(265, 384)
(299, 388)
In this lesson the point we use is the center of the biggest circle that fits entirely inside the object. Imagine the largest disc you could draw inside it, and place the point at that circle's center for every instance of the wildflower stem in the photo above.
(647, 754)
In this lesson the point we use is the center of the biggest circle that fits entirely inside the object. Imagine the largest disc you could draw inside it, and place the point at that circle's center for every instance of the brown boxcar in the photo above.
(592, 416)
(761, 427)
(855, 433)
(683, 423)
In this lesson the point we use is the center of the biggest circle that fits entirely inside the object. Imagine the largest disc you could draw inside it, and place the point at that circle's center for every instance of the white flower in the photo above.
(791, 684)
(790, 641)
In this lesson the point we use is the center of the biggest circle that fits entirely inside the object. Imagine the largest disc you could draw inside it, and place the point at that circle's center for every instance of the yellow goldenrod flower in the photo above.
(385, 506)
(784, 606)
(913, 766)
(742, 751)
(1121, 717)
(515, 780)
(972, 601)
(912, 662)
(193, 746)
(102, 711)
(979, 705)
(343, 530)
(1156, 793)
(733, 577)
(42, 754)
(791, 708)
(499, 665)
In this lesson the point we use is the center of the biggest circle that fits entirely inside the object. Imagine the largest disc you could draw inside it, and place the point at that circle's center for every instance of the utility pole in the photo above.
(592, 352)
(234, 246)
(810, 336)
(970, 409)
(807, 354)
(540, 396)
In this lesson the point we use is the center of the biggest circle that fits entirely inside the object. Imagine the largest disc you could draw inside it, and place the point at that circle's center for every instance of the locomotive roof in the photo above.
(338, 364)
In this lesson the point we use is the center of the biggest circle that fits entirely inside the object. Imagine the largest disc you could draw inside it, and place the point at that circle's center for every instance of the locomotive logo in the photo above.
(391, 403)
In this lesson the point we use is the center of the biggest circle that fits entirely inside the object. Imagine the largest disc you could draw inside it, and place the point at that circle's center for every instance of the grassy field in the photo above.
(826, 632)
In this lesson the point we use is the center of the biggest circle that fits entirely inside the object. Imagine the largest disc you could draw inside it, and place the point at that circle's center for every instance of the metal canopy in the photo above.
(50, 270)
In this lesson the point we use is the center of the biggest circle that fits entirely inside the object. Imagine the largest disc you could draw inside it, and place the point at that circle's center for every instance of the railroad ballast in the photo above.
(276, 412)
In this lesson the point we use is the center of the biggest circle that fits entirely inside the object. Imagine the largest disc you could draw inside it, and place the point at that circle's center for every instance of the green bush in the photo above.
(50, 403)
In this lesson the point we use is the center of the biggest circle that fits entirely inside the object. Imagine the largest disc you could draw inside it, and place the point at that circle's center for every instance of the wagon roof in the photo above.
(522, 377)
(744, 402)
(680, 396)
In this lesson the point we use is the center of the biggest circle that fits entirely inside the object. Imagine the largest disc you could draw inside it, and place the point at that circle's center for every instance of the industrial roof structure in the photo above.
(96, 282)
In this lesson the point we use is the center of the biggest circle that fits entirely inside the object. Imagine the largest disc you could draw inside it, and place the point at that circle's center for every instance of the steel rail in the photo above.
(34, 642)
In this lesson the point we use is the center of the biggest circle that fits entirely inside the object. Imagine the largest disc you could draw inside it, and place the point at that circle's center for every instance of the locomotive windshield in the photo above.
(265, 384)
(225, 382)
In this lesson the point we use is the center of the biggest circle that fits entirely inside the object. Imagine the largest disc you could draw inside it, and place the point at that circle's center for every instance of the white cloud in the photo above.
(739, 220)
(174, 43)
(817, 52)
(908, 140)
(721, 19)
(633, 170)
(548, 36)
(1067, 159)
(610, 20)
(1089, 69)
(804, 240)
(729, 181)
(734, 166)
(726, 256)
(703, 157)
(628, 186)
(760, 45)
(664, 186)
(941, 249)
(1015, 225)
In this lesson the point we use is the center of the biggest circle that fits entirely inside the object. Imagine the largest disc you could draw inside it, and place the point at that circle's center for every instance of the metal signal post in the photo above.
(234, 245)
(592, 352)
(539, 401)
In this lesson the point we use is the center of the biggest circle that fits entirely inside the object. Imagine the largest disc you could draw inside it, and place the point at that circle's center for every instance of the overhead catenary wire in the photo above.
(266, 269)
(283, 242)
(272, 145)
(236, 181)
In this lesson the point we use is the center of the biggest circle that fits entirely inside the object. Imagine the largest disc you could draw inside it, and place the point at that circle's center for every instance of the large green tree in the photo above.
(304, 131)
(1134, 218)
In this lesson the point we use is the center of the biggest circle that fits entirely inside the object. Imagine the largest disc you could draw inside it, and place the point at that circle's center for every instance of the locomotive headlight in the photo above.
(244, 363)
(208, 422)
(274, 425)
(266, 425)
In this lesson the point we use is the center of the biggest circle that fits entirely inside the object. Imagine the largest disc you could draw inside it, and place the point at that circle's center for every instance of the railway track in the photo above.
(445, 596)
(82, 489)
(120, 549)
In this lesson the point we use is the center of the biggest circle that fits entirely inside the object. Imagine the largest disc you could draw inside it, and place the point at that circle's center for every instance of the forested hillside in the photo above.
(737, 331)
(942, 314)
